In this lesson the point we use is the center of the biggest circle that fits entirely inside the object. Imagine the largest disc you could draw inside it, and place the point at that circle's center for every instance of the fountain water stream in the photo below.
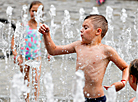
(78, 87)
(58, 81)
(3, 42)
(111, 96)
(9, 14)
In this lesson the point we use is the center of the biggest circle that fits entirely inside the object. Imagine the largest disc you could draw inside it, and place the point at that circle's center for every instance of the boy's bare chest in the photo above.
(93, 53)
(90, 57)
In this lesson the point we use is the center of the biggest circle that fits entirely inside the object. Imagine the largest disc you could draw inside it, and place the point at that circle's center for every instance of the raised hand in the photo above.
(44, 29)
(118, 85)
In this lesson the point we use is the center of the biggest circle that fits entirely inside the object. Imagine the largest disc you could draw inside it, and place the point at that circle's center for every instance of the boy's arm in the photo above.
(50, 45)
(122, 65)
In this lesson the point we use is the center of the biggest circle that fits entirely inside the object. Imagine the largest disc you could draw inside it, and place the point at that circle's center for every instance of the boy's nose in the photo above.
(81, 30)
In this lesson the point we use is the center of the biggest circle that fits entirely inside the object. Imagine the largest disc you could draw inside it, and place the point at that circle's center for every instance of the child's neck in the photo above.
(32, 23)
(92, 44)
(95, 42)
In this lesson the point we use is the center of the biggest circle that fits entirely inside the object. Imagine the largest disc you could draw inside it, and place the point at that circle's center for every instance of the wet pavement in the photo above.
(66, 67)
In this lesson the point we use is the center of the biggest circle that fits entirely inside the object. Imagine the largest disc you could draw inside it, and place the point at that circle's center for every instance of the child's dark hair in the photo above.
(35, 3)
(99, 21)
(133, 68)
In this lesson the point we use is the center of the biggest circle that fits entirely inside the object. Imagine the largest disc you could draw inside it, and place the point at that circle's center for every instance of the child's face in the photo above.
(132, 82)
(87, 32)
(32, 10)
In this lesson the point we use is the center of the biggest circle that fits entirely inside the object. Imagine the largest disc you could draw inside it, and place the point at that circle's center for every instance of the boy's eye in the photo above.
(85, 28)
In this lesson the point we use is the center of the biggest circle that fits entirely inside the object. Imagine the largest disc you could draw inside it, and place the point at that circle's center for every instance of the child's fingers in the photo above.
(41, 30)
(44, 28)
(106, 87)
(45, 25)
(49, 57)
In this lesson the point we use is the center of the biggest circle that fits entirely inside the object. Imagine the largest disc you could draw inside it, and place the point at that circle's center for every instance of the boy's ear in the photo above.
(98, 31)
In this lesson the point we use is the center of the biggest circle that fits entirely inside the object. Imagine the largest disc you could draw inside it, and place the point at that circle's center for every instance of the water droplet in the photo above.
(88, 94)
(92, 80)
(79, 63)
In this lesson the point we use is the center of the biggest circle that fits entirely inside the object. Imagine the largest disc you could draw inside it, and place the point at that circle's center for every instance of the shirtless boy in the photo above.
(92, 56)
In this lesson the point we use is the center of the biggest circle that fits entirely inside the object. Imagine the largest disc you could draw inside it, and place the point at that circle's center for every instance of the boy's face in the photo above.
(87, 32)
(132, 82)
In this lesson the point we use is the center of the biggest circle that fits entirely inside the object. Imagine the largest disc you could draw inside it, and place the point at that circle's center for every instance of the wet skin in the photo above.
(92, 57)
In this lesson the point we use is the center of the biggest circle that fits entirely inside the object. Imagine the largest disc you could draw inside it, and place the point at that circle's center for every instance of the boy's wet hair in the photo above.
(35, 3)
(133, 68)
(99, 21)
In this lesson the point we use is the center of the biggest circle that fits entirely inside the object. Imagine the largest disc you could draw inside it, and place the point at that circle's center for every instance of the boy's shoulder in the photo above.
(108, 48)
(77, 42)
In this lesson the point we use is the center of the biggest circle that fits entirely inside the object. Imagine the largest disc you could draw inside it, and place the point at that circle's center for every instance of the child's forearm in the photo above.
(123, 81)
(14, 52)
(13, 47)
(49, 44)
(125, 75)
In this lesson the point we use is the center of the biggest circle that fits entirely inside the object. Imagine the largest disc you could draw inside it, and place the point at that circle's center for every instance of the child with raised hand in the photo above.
(31, 48)
(93, 57)
(133, 76)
